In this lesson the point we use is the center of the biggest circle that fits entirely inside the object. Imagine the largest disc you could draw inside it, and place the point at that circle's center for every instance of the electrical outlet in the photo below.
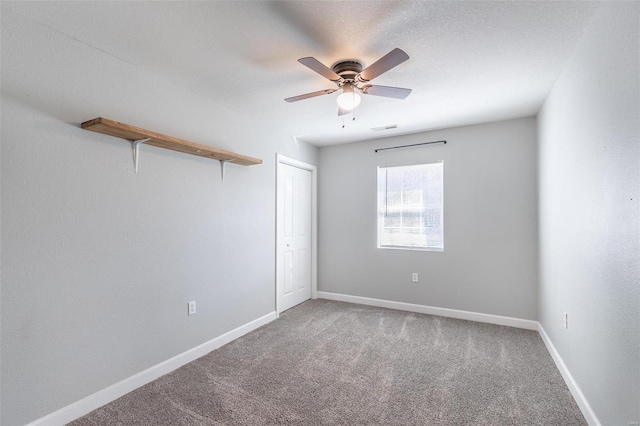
(191, 308)
(414, 277)
(566, 320)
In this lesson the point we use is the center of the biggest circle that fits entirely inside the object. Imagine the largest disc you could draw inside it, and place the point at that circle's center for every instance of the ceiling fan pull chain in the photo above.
(353, 111)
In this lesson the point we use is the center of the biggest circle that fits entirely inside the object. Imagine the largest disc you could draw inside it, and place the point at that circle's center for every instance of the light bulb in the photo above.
(348, 100)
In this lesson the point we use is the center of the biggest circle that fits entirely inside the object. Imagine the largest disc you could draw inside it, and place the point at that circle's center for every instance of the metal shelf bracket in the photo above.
(222, 163)
(135, 145)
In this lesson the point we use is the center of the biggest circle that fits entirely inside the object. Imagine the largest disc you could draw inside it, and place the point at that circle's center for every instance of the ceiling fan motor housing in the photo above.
(348, 69)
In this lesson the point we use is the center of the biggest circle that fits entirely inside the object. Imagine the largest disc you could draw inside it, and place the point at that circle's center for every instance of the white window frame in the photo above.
(381, 206)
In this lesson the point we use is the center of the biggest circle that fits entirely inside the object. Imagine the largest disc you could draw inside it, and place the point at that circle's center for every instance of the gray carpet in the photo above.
(328, 363)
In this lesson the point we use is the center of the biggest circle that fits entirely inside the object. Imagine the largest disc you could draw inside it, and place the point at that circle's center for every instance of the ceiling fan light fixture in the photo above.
(348, 100)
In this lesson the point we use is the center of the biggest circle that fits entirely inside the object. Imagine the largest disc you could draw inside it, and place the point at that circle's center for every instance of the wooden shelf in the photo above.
(133, 134)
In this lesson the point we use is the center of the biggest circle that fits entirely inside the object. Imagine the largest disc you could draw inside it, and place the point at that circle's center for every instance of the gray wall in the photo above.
(589, 214)
(98, 263)
(489, 264)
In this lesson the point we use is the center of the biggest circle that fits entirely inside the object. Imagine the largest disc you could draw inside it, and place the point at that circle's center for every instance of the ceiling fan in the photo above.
(349, 76)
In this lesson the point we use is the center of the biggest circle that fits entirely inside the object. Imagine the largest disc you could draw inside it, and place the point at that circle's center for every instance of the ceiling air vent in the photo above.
(389, 127)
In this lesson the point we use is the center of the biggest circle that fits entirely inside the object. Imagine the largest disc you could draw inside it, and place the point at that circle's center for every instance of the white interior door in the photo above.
(294, 257)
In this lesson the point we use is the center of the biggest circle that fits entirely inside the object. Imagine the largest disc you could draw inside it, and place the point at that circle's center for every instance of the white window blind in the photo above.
(410, 207)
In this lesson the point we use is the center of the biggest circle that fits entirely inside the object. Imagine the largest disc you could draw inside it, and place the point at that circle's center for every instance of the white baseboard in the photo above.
(423, 309)
(575, 390)
(115, 391)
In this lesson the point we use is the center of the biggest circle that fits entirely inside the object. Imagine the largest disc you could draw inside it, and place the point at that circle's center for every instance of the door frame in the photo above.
(280, 160)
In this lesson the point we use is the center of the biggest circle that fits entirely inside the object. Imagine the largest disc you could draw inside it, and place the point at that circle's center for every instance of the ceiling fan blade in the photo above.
(386, 91)
(310, 95)
(320, 68)
(342, 111)
(384, 64)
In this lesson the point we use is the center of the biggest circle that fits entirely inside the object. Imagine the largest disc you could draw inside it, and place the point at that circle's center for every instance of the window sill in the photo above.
(411, 248)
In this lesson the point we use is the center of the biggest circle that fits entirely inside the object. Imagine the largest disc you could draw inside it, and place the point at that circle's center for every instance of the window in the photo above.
(410, 207)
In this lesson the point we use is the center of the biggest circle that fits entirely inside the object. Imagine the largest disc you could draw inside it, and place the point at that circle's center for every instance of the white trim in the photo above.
(115, 391)
(423, 309)
(282, 159)
(575, 390)
(86, 405)
(295, 163)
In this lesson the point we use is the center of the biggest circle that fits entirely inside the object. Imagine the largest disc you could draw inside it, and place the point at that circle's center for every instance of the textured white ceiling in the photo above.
(470, 62)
